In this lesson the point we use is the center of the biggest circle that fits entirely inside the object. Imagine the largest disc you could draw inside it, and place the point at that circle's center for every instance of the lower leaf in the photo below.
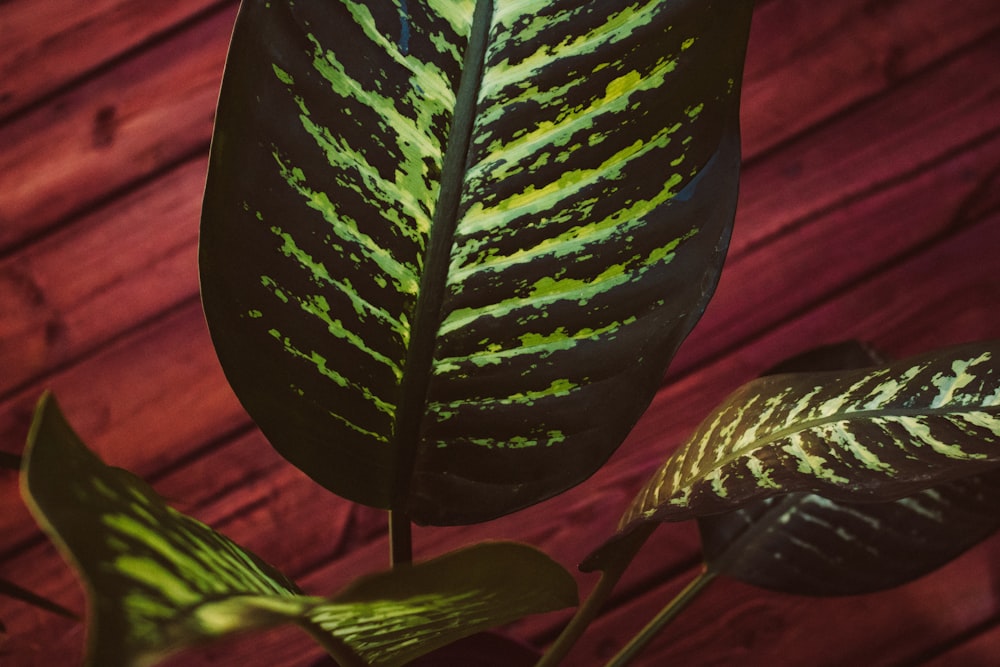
(866, 435)
(809, 545)
(158, 580)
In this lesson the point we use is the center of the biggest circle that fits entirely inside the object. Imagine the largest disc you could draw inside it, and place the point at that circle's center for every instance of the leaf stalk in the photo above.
(400, 539)
(635, 646)
(611, 573)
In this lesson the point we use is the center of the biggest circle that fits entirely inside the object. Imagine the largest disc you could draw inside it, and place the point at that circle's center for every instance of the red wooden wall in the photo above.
(870, 208)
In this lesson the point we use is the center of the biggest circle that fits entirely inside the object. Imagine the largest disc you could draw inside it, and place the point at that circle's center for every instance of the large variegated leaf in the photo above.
(448, 248)
(864, 435)
(158, 580)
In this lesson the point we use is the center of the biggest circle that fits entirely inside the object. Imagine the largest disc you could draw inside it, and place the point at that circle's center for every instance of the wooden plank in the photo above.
(85, 285)
(588, 519)
(51, 316)
(64, 39)
(982, 648)
(238, 491)
(828, 253)
(911, 129)
(123, 126)
(734, 624)
(146, 403)
(809, 61)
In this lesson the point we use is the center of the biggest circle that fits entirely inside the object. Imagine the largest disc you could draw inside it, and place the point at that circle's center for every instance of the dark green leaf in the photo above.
(400, 615)
(807, 544)
(158, 580)
(449, 247)
(864, 435)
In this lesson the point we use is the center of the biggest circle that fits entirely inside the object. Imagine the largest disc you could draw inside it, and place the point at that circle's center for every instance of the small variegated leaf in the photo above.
(448, 248)
(148, 569)
(158, 580)
(865, 435)
(806, 544)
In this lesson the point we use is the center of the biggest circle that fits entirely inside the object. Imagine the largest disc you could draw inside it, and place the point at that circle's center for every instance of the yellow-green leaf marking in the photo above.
(868, 435)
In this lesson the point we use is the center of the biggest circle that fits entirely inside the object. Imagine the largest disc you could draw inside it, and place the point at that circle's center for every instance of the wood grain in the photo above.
(64, 40)
(812, 61)
(112, 131)
(870, 208)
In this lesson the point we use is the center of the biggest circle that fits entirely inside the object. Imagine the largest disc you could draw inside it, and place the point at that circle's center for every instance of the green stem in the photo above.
(400, 539)
(580, 621)
(612, 570)
(668, 614)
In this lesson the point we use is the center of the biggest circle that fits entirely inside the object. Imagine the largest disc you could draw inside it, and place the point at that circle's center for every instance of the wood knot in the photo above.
(105, 127)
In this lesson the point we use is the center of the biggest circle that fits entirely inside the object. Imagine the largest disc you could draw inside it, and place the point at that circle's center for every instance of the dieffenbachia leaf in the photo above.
(803, 543)
(158, 580)
(448, 248)
(874, 434)
(806, 544)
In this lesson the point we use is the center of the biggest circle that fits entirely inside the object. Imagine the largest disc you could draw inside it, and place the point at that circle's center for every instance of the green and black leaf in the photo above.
(448, 248)
(864, 435)
(158, 580)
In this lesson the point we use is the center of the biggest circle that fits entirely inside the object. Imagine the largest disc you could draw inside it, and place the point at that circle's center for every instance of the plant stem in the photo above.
(400, 539)
(578, 624)
(673, 608)
(611, 573)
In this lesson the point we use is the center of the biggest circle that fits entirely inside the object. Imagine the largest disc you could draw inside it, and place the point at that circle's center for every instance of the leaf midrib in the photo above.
(427, 314)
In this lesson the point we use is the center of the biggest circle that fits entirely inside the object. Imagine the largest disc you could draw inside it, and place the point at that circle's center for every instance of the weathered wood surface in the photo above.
(870, 208)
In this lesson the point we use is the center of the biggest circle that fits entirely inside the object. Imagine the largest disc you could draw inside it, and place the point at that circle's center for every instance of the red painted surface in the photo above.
(870, 208)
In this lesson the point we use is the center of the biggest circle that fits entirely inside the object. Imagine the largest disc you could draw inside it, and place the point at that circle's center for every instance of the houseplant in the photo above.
(286, 73)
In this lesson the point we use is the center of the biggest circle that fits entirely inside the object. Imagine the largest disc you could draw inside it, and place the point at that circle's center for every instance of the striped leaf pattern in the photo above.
(396, 617)
(448, 248)
(806, 544)
(158, 580)
(148, 568)
(864, 435)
